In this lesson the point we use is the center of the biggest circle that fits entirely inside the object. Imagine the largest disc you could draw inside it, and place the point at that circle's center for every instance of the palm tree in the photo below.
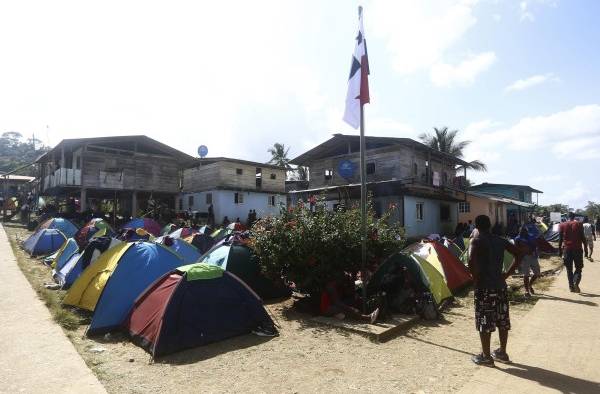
(279, 156)
(445, 141)
(302, 173)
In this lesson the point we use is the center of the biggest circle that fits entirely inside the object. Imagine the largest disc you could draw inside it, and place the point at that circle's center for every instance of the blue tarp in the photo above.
(141, 265)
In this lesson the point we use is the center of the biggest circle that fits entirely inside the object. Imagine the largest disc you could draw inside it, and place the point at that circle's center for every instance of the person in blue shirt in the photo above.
(530, 263)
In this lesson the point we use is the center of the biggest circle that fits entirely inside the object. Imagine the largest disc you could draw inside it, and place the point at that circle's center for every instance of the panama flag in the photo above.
(358, 83)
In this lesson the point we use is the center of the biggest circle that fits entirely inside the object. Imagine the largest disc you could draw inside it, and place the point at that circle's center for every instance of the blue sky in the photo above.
(518, 78)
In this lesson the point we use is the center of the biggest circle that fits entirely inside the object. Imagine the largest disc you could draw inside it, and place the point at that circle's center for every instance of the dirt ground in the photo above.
(430, 357)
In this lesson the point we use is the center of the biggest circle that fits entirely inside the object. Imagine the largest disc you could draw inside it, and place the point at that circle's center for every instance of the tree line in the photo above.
(17, 151)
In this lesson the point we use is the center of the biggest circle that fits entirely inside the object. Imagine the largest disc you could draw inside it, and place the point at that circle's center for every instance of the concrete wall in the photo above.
(496, 210)
(431, 223)
(224, 204)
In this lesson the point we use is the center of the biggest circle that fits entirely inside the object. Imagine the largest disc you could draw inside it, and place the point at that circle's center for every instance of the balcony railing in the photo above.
(63, 177)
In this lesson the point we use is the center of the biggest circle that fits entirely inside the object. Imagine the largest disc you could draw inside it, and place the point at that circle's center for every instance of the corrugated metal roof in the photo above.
(333, 145)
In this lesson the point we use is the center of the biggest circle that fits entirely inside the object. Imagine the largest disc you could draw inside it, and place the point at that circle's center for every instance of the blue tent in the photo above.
(64, 225)
(188, 252)
(44, 241)
(78, 262)
(69, 248)
(138, 268)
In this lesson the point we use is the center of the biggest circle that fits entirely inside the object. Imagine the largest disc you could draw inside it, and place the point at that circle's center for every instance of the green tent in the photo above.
(241, 261)
(391, 265)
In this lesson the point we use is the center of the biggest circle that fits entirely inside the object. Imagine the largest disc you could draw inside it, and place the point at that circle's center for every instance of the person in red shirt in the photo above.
(572, 238)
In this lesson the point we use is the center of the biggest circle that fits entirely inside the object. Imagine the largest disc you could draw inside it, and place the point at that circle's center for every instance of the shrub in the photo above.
(311, 248)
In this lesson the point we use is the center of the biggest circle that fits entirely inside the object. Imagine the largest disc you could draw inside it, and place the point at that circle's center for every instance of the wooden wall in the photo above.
(390, 162)
(224, 175)
(141, 172)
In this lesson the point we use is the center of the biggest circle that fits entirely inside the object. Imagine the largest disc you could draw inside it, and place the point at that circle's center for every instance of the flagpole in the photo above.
(363, 209)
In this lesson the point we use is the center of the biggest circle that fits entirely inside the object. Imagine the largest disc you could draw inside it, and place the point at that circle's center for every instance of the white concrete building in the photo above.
(233, 187)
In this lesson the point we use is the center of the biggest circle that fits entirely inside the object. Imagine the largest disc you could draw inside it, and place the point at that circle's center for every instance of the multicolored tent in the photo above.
(169, 228)
(455, 273)
(183, 232)
(437, 281)
(68, 249)
(64, 225)
(78, 262)
(44, 241)
(150, 225)
(95, 228)
(193, 306)
(202, 242)
(135, 268)
(146, 259)
(241, 261)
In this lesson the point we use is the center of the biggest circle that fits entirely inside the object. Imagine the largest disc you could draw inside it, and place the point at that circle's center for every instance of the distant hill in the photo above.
(16, 151)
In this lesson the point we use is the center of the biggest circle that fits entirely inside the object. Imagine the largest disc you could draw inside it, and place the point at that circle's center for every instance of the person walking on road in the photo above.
(571, 236)
(590, 236)
(530, 262)
(486, 256)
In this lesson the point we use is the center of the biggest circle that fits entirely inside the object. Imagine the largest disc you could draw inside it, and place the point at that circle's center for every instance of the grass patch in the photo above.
(37, 274)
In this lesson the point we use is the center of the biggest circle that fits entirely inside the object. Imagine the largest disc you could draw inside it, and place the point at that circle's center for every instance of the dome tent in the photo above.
(192, 306)
(454, 271)
(64, 225)
(137, 268)
(147, 224)
(241, 261)
(44, 241)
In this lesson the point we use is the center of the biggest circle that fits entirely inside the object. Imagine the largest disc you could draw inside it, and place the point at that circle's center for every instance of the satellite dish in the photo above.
(202, 151)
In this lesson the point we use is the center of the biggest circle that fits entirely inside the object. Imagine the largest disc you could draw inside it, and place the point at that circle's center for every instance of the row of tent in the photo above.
(184, 299)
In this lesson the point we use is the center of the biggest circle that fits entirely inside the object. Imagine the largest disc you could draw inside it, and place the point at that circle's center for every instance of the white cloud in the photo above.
(464, 73)
(547, 178)
(549, 132)
(420, 33)
(525, 8)
(526, 15)
(579, 149)
(532, 81)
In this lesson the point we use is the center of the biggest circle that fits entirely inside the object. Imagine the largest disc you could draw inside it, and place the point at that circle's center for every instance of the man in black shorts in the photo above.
(491, 301)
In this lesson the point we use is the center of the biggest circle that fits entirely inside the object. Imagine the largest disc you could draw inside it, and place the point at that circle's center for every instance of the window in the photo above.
(181, 204)
(190, 201)
(272, 201)
(328, 174)
(464, 207)
(419, 211)
(445, 212)
(521, 195)
(208, 198)
(258, 177)
(445, 178)
(370, 168)
(239, 171)
(238, 198)
(415, 169)
(273, 176)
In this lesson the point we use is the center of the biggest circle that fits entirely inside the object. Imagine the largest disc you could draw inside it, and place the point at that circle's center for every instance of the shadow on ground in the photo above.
(551, 379)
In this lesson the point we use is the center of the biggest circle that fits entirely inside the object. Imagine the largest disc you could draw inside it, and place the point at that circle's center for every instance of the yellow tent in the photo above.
(437, 282)
(87, 289)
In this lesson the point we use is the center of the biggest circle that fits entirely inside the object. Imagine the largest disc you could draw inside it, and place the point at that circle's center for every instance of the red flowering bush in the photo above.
(310, 248)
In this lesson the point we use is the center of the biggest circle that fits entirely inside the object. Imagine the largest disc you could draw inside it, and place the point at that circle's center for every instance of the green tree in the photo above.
(302, 173)
(592, 210)
(446, 141)
(16, 152)
(279, 156)
(312, 248)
